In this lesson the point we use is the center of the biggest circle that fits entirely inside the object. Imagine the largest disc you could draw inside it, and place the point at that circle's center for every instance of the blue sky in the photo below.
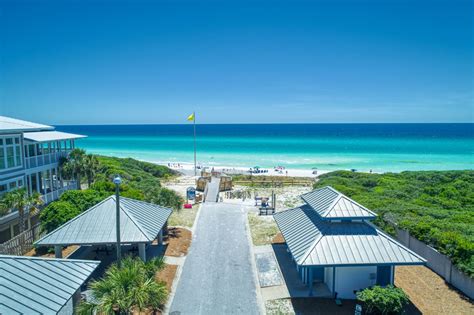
(92, 62)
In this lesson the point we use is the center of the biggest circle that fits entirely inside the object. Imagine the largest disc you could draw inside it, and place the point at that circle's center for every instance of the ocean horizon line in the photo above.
(273, 123)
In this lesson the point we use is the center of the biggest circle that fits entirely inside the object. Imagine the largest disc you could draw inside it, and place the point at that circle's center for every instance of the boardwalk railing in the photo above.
(21, 243)
(54, 195)
(44, 159)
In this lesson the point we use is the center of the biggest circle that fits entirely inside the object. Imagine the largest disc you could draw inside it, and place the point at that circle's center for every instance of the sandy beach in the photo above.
(188, 169)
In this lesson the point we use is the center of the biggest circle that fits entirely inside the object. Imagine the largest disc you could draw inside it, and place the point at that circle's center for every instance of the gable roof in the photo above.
(331, 204)
(316, 242)
(33, 285)
(140, 222)
(8, 124)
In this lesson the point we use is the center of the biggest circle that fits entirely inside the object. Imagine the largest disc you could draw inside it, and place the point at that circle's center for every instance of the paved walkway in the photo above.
(217, 276)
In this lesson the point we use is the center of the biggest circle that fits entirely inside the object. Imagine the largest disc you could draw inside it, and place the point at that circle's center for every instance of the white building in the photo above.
(334, 245)
(29, 158)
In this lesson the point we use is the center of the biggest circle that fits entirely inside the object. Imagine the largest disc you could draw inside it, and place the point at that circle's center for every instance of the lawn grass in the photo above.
(262, 229)
(184, 217)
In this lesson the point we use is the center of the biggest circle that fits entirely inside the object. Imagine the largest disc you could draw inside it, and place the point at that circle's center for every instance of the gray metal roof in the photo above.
(8, 124)
(331, 204)
(313, 241)
(33, 285)
(42, 136)
(140, 222)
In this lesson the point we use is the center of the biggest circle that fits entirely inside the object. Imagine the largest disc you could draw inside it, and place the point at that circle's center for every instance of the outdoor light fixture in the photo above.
(117, 182)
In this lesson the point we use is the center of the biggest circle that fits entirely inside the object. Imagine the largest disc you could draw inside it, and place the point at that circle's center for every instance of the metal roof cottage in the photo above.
(33, 285)
(332, 241)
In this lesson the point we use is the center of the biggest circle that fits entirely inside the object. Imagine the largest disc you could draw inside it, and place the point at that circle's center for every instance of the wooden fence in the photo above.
(21, 243)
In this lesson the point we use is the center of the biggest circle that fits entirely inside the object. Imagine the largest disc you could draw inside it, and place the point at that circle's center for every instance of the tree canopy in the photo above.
(141, 181)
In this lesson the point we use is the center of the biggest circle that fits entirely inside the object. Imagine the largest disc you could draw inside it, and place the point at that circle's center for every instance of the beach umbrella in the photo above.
(256, 167)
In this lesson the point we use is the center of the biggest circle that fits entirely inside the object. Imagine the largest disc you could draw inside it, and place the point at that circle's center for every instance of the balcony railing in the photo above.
(44, 159)
(54, 195)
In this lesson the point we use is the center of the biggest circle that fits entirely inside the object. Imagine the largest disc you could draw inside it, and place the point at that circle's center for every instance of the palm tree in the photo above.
(91, 167)
(74, 166)
(20, 200)
(126, 289)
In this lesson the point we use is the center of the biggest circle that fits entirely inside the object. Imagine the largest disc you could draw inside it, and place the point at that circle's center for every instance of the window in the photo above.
(11, 184)
(2, 158)
(10, 152)
(18, 155)
(10, 157)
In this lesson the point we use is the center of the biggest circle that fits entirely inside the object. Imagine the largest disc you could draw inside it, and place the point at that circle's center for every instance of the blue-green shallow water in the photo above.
(380, 147)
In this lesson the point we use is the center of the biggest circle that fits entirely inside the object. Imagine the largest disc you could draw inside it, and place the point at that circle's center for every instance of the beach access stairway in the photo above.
(212, 194)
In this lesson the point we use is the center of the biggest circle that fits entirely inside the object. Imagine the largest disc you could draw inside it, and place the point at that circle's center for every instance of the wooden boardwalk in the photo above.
(213, 190)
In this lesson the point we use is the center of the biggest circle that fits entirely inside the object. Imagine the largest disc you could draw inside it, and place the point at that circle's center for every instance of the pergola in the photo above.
(140, 224)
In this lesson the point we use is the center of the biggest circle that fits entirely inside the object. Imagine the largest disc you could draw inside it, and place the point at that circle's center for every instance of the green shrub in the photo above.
(379, 300)
(437, 207)
(56, 214)
(141, 181)
(164, 197)
(82, 199)
(107, 188)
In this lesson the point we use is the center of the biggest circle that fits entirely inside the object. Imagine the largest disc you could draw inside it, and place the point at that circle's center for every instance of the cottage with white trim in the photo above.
(332, 241)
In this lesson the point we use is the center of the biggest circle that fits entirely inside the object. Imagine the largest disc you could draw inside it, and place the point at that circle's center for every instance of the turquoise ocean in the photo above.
(377, 147)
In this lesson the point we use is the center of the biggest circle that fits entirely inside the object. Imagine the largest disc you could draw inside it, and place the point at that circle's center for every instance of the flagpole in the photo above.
(194, 125)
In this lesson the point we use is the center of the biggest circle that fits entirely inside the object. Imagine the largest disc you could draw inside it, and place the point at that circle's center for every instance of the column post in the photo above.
(38, 189)
(160, 237)
(50, 171)
(35, 149)
(310, 281)
(30, 183)
(142, 251)
(58, 251)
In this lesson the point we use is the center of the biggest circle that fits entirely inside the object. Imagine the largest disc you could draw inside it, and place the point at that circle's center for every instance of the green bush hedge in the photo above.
(379, 300)
(56, 214)
(437, 207)
(141, 181)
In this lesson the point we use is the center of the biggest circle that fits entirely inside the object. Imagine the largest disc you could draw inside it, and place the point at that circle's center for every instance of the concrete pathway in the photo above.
(217, 276)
